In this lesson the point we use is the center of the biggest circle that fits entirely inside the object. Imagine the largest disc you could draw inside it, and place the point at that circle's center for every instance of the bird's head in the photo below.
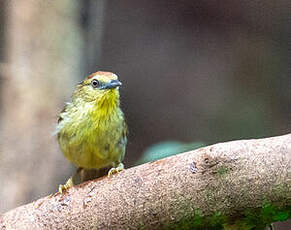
(99, 86)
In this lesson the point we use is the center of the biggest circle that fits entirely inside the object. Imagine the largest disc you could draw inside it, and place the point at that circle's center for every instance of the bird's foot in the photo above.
(69, 184)
(119, 168)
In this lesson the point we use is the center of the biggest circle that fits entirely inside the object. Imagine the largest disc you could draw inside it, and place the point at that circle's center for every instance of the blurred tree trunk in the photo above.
(92, 18)
(42, 63)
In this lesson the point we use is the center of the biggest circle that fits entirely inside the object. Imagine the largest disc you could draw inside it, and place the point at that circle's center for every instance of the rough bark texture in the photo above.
(227, 178)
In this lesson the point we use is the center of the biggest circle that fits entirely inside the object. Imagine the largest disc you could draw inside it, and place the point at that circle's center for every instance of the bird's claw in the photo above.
(119, 168)
(69, 184)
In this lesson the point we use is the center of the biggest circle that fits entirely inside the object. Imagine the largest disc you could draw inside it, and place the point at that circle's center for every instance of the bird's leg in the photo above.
(117, 169)
(70, 182)
(91, 174)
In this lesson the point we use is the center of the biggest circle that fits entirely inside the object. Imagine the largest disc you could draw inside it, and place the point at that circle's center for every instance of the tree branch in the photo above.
(222, 180)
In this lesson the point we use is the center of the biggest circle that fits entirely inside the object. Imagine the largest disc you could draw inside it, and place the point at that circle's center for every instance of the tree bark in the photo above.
(223, 178)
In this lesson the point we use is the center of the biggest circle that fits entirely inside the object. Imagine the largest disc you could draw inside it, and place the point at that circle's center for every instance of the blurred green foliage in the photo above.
(166, 149)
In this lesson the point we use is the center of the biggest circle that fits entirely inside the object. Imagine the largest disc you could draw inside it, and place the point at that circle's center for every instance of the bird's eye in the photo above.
(95, 83)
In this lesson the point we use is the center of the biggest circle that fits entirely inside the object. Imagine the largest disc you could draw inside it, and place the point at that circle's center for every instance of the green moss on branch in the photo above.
(251, 219)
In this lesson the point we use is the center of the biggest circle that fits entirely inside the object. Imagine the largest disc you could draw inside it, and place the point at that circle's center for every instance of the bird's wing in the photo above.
(60, 118)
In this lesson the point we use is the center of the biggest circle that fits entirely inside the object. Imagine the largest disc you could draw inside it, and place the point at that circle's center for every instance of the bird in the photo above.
(91, 129)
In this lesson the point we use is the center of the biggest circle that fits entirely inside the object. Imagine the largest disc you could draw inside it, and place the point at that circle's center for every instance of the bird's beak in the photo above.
(111, 85)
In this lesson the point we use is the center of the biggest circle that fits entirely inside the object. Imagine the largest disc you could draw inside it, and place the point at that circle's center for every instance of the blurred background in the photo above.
(194, 73)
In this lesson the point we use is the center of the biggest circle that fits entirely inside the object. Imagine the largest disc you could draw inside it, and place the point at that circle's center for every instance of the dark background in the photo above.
(192, 71)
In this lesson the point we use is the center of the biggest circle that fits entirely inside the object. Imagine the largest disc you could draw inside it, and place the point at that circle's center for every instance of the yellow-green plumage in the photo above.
(91, 129)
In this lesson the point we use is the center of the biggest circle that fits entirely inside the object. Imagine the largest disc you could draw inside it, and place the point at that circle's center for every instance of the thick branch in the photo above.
(225, 178)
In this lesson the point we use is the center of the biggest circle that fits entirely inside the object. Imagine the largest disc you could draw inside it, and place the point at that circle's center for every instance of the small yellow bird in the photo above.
(91, 129)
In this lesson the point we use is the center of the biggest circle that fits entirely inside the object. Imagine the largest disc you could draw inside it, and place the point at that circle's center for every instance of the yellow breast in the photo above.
(92, 134)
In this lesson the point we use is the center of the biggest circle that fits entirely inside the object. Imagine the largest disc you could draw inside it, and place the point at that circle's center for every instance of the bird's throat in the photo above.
(108, 103)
